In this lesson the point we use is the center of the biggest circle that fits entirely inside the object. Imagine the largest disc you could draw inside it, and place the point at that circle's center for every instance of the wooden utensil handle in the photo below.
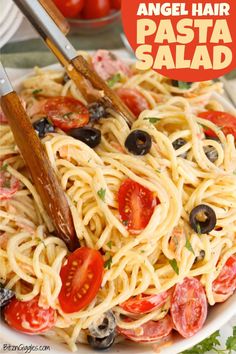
(42, 173)
(56, 15)
(84, 69)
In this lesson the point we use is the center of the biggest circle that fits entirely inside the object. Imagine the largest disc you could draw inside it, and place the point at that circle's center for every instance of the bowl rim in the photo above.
(225, 310)
(112, 16)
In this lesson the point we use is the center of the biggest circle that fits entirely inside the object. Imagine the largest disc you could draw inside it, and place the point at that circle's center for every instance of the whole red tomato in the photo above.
(70, 8)
(116, 4)
(96, 9)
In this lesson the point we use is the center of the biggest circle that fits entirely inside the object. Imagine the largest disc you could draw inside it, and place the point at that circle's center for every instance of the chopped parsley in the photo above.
(109, 244)
(7, 183)
(101, 193)
(152, 120)
(174, 265)
(67, 115)
(212, 343)
(189, 246)
(114, 80)
(199, 230)
(4, 167)
(36, 92)
(108, 262)
(182, 84)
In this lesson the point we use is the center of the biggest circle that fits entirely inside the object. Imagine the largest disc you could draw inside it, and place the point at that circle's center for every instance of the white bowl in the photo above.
(10, 22)
(218, 315)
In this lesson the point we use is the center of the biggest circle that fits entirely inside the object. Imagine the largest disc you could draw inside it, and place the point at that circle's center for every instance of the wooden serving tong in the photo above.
(51, 25)
(35, 157)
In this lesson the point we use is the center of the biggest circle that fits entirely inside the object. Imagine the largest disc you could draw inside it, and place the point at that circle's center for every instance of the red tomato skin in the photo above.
(136, 205)
(136, 102)
(89, 261)
(70, 8)
(116, 4)
(149, 332)
(142, 304)
(28, 317)
(56, 109)
(96, 9)
(189, 307)
(226, 121)
(225, 283)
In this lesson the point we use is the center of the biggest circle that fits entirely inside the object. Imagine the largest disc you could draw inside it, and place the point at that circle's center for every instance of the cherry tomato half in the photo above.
(70, 8)
(9, 185)
(225, 283)
(66, 112)
(189, 307)
(95, 9)
(28, 317)
(150, 331)
(145, 303)
(225, 121)
(116, 4)
(136, 102)
(136, 205)
(81, 279)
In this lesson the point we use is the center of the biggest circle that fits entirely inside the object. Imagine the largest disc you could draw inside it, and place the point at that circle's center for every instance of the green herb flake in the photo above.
(152, 120)
(4, 167)
(199, 230)
(189, 246)
(234, 173)
(108, 262)
(101, 193)
(36, 92)
(158, 170)
(142, 251)
(184, 85)
(114, 80)
(174, 265)
(109, 244)
(231, 342)
(67, 115)
(7, 183)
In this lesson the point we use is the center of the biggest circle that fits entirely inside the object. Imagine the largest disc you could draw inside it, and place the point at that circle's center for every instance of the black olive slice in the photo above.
(5, 295)
(138, 142)
(101, 343)
(177, 144)
(211, 153)
(43, 126)
(104, 326)
(200, 257)
(97, 110)
(88, 135)
(202, 219)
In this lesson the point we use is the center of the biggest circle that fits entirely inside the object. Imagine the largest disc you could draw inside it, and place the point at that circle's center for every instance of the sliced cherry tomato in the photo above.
(225, 283)
(29, 317)
(136, 102)
(226, 121)
(81, 279)
(189, 307)
(66, 112)
(107, 64)
(136, 205)
(96, 9)
(150, 331)
(9, 185)
(116, 4)
(145, 303)
(70, 8)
